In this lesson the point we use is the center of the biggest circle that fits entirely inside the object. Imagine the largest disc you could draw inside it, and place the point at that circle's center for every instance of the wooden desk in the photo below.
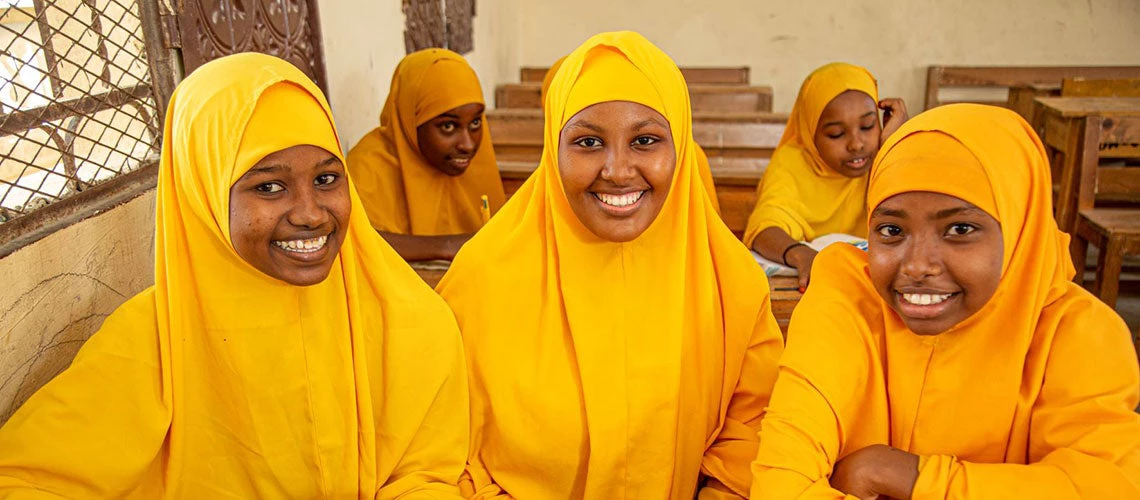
(1022, 99)
(1082, 130)
(785, 293)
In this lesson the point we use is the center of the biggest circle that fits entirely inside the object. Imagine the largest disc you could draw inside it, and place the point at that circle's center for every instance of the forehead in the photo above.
(295, 158)
(469, 110)
(616, 114)
(851, 103)
(923, 202)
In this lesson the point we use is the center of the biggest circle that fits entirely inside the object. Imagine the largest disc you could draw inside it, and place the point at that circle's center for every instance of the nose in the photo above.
(620, 167)
(466, 144)
(307, 211)
(922, 259)
(856, 144)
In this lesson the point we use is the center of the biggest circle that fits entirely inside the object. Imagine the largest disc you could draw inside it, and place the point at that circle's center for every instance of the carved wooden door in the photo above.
(289, 29)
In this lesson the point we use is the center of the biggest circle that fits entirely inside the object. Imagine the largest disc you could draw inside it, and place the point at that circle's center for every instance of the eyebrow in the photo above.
(840, 122)
(649, 121)
(888, 212)
(267, 169)
(585, 125)
(942, 214)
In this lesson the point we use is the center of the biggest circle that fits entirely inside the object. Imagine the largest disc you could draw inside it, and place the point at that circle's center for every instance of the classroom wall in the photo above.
(783, 41)
(57, 292)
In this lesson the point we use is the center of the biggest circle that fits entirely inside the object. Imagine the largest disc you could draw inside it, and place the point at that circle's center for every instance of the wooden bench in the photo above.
(1004, 77)
(693, 76)
(1118, 87)
(726, 98)
(1081, 131)
(517, 134)
(785, 293)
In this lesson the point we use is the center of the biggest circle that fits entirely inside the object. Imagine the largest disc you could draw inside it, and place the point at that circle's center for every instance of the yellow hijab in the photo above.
(612, 370)
(703, 168)
(799, 193)
(1042, 375)
(222, 382)
(401, 192)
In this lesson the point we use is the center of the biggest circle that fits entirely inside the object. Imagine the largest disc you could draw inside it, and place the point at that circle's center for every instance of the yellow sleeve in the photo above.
(96, 429)
(726, 462)
(431, 463)
(777, 202)
(1085, 434)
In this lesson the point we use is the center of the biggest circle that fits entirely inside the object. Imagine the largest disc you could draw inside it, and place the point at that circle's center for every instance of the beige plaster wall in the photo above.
(57, 292)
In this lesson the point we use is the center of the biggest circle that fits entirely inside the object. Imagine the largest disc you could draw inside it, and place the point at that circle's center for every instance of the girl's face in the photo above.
(847, 135)
(616, 160)
(289, 214)
(449, 141)
(935, 259)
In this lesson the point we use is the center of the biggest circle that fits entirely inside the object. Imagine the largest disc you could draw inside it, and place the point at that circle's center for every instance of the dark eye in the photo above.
(269, 188)
(835, 135)
(325, 179)
(588, 142)
(960, 229)
(645, 140)
(889, 230)
(447, 127)
(475, 124)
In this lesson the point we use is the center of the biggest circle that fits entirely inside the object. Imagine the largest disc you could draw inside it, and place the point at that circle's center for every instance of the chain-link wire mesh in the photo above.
(76, 102)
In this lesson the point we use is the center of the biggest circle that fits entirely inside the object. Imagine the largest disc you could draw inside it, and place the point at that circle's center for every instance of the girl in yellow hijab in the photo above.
(285, 351)
(703, 168)
(619, 338)
(422, 173)
(816, 182)
(956, 359)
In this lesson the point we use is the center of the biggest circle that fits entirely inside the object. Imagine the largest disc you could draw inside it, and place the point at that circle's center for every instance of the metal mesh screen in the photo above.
(76, 102)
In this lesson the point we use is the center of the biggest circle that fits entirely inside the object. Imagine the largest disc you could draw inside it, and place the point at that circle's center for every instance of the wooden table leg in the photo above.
(1108, 267)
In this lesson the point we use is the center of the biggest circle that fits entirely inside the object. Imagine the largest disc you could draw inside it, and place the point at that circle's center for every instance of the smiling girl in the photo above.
(956, 358)
(421, 174)
(285, 351)
(619, 338)
(817, 180)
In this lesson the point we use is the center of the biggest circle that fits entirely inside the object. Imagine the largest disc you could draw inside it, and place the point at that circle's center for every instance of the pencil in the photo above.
(485, 207)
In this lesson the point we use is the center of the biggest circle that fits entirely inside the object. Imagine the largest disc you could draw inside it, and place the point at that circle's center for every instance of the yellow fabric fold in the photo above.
(613, 370)
(799, 193)
(1032, 396)
(223, 382)
(401, 192)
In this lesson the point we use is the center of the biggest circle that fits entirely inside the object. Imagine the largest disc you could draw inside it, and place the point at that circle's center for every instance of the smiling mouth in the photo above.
(307, 246)
(856, 163)
(624, 202)
(459, 163)
(924, 305)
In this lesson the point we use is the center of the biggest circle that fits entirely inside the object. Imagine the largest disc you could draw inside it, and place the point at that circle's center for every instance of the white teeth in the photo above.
(923, 299)
(620, 200)
(302, 246)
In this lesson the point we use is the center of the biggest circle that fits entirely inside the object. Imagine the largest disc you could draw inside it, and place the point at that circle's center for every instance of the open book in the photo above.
(779, 269)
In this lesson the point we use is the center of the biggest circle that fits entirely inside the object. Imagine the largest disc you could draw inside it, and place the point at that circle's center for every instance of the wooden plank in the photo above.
(1117, 87)
(940, 77)
(1118, 184)
(1084, 106)
(713, 98)
(728, 75)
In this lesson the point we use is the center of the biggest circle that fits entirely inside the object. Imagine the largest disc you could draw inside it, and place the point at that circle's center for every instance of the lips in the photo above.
(924, 303)
(857, 163)
(306, 250)
(619, 204)
(459, 163)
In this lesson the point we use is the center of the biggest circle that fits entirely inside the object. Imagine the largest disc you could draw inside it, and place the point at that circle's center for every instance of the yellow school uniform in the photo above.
(1030, 397)
(799, 193)
(222, 382)
(401, 192)
(612, 370)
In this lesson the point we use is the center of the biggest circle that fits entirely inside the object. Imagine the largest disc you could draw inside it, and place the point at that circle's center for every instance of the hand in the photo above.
(877, 471)
(894, 114)
(801, 258)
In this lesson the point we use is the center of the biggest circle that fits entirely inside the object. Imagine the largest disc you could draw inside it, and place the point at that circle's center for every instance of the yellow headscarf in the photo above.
(703, 168)
(611, 370)
(401, 192)
(799, 193)
(1043, 374)
(221, 381)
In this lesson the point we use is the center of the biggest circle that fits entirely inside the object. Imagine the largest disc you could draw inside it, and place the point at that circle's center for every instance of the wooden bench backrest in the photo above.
(709, 75)
(711, 98)
(939, 77)
(1117, 87)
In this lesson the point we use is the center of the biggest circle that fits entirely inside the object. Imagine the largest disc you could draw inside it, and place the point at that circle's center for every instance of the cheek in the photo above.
(577, 173)
(660, 174)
